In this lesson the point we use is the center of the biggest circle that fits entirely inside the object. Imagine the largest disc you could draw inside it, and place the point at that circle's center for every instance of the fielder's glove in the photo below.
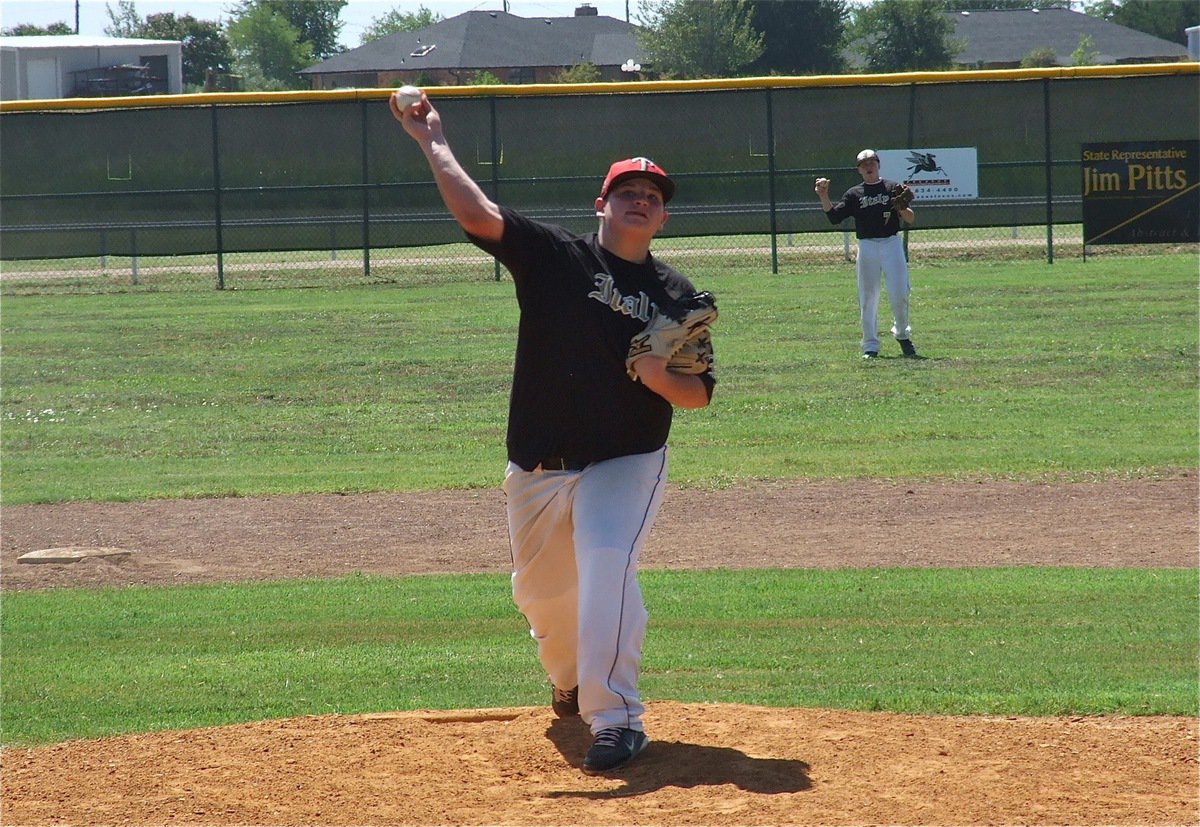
(678, 333)
(696, 355)
(902, 196)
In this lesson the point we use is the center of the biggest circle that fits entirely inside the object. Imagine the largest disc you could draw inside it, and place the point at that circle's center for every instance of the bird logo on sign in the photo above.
(924, 162)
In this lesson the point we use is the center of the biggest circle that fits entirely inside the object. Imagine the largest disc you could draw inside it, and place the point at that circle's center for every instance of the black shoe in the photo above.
(906, 346)
(613, 748)
(565, 702)
(871, 354)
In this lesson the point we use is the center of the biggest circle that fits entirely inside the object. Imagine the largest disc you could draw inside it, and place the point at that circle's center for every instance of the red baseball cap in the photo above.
(638, 168)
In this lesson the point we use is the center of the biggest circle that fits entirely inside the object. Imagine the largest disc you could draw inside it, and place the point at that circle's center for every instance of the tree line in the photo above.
(267, 42)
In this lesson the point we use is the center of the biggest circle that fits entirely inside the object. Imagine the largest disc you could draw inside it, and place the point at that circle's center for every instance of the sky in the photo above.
(356, 16)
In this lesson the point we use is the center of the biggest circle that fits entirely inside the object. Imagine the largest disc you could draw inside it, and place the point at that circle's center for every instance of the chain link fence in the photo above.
(324, 189)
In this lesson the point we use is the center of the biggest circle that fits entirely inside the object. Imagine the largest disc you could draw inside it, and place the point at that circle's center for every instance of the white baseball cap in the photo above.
(866, 155)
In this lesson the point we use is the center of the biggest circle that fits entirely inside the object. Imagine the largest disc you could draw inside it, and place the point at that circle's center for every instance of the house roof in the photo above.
(493, 39)
(1007, 36)
(59, 41)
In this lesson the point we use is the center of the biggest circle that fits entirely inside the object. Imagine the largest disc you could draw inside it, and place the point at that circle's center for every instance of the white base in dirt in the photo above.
(71, 554)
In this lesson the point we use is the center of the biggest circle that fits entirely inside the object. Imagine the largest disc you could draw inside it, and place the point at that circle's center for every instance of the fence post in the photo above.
(1049, 173)
(495, 173)
(912, 116)
(216, 154)
(771, 184)
(366, 196)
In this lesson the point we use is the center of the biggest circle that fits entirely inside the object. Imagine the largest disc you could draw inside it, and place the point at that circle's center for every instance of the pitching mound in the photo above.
(706, 764)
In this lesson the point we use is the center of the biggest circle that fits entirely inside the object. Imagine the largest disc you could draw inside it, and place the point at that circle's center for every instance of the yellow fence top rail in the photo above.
(624, 87)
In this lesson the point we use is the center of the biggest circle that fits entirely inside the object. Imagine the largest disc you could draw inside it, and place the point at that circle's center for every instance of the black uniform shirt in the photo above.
(871, 207)
(580, 305)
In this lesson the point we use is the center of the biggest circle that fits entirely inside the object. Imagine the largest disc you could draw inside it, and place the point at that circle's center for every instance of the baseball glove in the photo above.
(696, 355)
(678, 333)
(902, 196)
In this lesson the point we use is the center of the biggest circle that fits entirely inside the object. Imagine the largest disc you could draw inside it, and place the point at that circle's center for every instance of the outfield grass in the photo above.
(1003, 641)
(1034, 371)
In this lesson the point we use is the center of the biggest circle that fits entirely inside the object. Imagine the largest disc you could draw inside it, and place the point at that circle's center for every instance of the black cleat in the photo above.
(565, 702)
(613, 748)
(871, 354)
(906, 346)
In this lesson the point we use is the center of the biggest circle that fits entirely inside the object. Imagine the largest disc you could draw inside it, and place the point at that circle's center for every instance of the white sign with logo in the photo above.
(937, 174)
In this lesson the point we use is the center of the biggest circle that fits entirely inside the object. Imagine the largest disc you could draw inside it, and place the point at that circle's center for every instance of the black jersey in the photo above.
(871, 207)
(580, 305)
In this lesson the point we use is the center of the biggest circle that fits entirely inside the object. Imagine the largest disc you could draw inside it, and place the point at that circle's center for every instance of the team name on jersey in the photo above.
(639, 306)
(881, 200)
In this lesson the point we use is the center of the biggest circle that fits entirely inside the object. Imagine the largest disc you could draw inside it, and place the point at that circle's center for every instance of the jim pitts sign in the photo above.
(1141, 193)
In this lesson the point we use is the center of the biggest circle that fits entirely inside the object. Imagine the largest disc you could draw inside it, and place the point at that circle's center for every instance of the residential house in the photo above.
(1001, 39)
(515, 49)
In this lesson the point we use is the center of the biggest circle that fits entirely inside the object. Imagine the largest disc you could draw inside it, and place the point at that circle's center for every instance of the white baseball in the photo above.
(406, 96)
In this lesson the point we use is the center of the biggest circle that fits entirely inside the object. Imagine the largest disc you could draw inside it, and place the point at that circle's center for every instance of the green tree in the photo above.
(30, 30)
(698, 38)
(904, 36)
(317, 21)
(1085, 53)
(267, 50)
(483, 77)
(1038, 58)
(205, 47)
(1168, 19)
(579, 73)
(399, 21)
(124, 21)
(799, 38)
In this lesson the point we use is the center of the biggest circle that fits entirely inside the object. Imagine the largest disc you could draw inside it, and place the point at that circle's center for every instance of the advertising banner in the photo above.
(934, 174)
(1141, 192)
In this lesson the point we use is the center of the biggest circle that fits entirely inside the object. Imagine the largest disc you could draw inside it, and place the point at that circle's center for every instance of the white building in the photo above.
(45, 67)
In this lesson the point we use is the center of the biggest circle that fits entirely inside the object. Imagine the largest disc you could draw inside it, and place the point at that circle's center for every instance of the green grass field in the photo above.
(1033, 371)
(1004, 641)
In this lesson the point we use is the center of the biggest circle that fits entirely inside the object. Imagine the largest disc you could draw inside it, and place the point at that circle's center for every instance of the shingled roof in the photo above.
(1001, 38)
(489, 39)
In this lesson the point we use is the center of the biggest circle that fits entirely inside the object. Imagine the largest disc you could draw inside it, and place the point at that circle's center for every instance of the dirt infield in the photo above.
(707, 764)
(718, 765)
(1140, 523)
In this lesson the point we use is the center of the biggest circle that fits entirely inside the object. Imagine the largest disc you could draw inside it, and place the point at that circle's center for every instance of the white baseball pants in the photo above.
(882, 259)
(575, 539)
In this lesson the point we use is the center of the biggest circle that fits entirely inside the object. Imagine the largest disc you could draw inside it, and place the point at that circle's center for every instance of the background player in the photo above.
(880, 249)
(586, 442)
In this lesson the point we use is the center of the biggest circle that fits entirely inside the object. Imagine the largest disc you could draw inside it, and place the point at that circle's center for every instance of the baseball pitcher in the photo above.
(609, 341)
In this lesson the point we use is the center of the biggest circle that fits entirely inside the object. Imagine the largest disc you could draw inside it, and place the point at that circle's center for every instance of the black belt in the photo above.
(562, 464)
